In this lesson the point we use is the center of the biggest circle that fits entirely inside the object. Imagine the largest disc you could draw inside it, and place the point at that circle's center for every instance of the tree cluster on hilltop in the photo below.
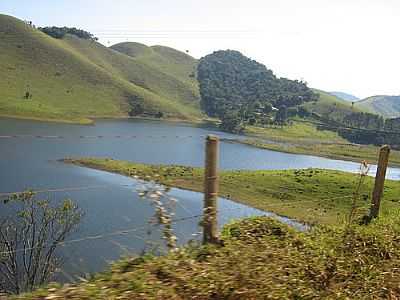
(233, 84)
(60, 32)
(364, 120)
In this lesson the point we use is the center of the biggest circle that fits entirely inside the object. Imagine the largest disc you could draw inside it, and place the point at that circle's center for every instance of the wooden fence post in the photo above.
(379, 180)
(210, 229)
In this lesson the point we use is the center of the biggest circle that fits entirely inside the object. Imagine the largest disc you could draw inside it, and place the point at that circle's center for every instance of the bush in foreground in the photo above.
(261, 258)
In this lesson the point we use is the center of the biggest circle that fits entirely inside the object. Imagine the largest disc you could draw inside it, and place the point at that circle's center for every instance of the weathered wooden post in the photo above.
(210, 230)
(379, 180)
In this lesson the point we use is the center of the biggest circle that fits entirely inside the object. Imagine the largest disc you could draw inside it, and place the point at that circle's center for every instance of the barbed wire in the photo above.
(123, 231)
(97, 236)
(131, 230)
(135, 229)
(55, 137)
(282, 191)
(65, 189)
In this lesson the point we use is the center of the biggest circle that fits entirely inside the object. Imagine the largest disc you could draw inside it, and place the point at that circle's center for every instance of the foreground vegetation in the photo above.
(260, 259)
(311, 195)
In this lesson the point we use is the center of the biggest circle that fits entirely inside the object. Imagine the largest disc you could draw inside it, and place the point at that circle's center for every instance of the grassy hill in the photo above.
(330, 105)
(177, 64)
(72, 79)
(387, 106)
(345, 96)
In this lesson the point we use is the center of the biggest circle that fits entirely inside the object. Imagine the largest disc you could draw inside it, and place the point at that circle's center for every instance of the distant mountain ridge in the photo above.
(386, 106)
(345, 96)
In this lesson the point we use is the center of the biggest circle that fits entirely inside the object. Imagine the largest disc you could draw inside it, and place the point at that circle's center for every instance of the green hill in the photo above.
(178, 67)
(386, 106)
(233, 84)
(73, 79)
(330, 105)
(345, 96)
(177, 64)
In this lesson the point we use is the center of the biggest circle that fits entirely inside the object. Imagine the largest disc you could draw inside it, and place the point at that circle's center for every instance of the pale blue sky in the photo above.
(345, 45)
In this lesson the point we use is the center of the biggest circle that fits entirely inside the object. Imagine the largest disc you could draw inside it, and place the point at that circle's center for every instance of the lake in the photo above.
(112, 204)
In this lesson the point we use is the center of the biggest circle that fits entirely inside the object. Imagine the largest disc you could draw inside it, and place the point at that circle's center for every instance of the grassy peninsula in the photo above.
(311, 195)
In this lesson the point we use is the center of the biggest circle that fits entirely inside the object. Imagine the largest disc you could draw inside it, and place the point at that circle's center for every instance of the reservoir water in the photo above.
(31, 163)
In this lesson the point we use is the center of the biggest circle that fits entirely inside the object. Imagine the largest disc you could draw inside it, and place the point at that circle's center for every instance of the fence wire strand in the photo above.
(131, 230)
(91, 137)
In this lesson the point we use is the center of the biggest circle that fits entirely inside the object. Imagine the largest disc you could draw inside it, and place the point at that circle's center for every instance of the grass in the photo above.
(76, 80)
(260, 259)
(295, 133)
(311, 195)
(331, 106)
(305, 138)
(170, 61)
(345, 151)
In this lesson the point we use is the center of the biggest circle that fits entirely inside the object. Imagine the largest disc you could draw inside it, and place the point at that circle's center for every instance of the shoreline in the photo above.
(92, 120)
(301, 150)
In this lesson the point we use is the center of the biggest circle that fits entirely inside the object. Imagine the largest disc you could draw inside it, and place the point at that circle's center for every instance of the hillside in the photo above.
(73, 79)
(345, 96)
(386, 106)
(330, 105)
(175, 63)
(230, 81)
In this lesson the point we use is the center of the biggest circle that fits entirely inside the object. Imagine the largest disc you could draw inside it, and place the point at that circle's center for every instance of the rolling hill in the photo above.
(387, 106)
(330, 105)
(73, 79)
(345, 96)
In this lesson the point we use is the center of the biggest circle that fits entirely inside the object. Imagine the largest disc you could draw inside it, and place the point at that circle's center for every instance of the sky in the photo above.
(351, 46)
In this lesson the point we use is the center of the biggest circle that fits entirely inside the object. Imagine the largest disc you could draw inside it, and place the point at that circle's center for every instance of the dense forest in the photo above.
(239, 90)
(60, 32)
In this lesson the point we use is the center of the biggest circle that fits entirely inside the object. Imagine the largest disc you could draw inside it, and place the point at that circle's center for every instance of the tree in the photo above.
(60, 32)
(231, 122)
(281, 115)
(267, 108)
(137, 110)
(229, 80)
(29, 237)
(292, 112)
(303, 112)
